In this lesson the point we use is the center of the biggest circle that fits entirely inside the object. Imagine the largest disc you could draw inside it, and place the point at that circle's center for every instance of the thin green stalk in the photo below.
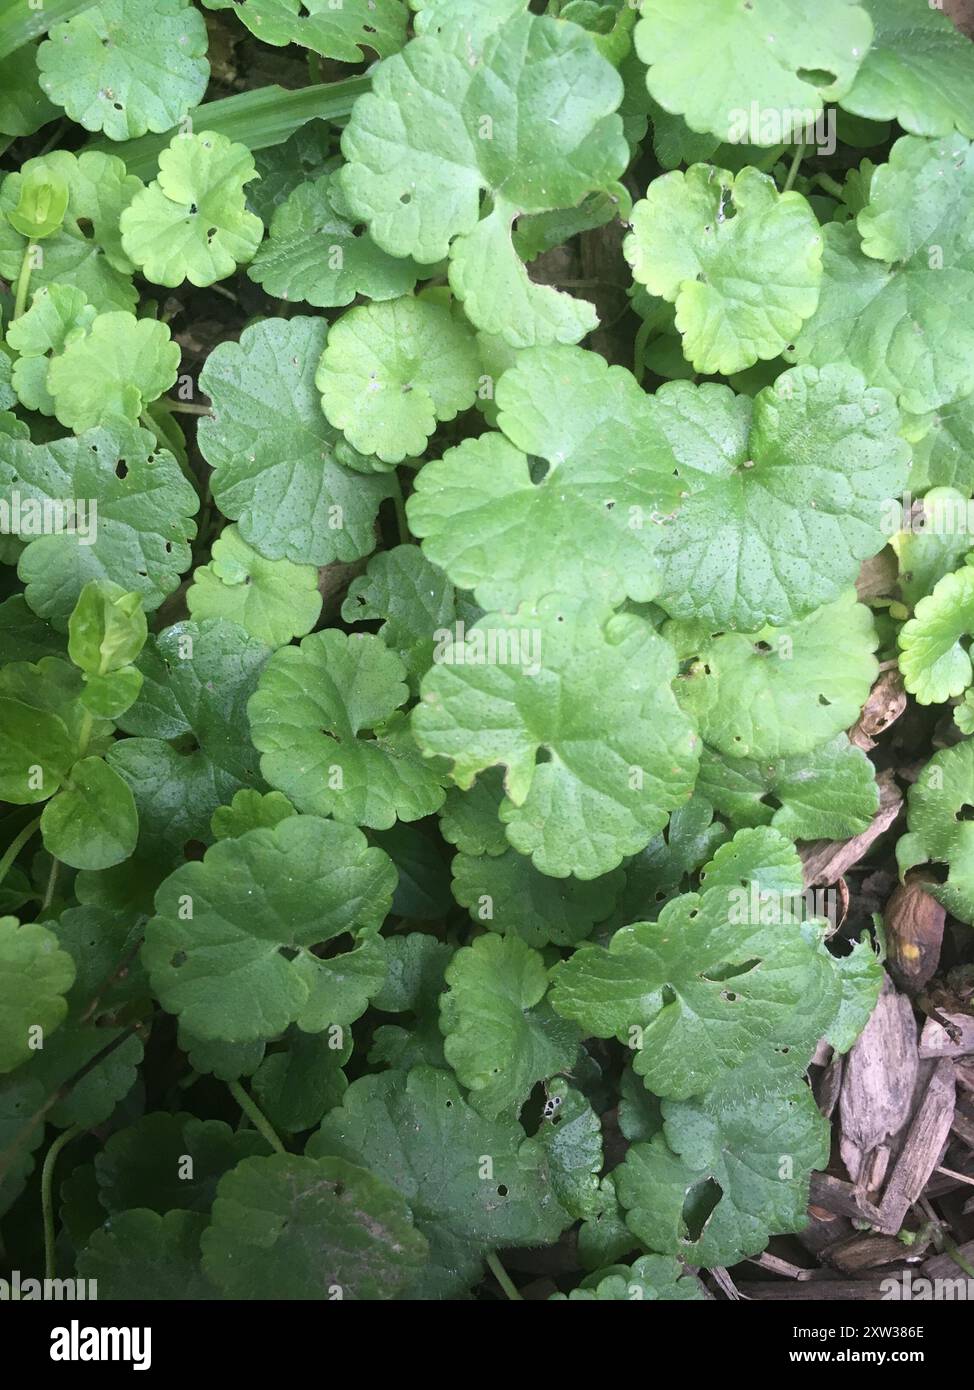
(16, 845)
(47, 1195)
(51, 885)
(503, 1278)
(23, 281)
(799, 155)
(256, 1116)
(830, 185)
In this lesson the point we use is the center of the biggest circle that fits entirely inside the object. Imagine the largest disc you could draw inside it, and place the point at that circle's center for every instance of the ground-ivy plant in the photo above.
(433, 494)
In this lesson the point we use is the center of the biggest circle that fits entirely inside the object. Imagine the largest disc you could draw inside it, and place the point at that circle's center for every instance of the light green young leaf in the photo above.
(780, 691)
(939, 803)
(500, 1035)
(590, 526)
(92, 823)
(57, 315)
(139, 536)
(35, 975)
(86, 252)
(191, 223)
(273, 600)
(919, 70)
(312, 706)
(107, 629)
(720, 64)
(279, 467)
(810, 478)
(741, 262)
(390, 371)
(277, 890)
(471, 819)
(933, 657)
(416, 1132)
(315, 254)
(592, 689)
(127, 66)
(113, 372)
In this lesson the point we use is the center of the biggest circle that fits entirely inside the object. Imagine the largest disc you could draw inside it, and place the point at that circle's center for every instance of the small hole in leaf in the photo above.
(824, 702)
(193, 208)
(818, 77)
(966, 812)
(502, 1190)
(699, 1205)
(406, 198)
(762, 646)
(179, 958)
(121, 469)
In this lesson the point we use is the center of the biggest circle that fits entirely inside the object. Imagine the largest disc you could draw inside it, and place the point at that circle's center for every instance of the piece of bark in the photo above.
(877, 1088)
(878, 576)
(863, 1251)
(922, 1151)
(914, 924)
(841, 1197)
(828, 1087)
(886, 702)
(819, 1290)
(945, 1266)
(935, 1041)
(825, 861)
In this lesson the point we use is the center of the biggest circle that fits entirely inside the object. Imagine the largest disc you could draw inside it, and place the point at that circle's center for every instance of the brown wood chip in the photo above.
(925, 1143)
(877, 1088)
(825, 861)
(935, 1041)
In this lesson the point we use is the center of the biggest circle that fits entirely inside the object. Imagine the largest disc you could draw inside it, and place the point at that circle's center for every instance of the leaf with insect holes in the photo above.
(390, 371)
(829, 793)
(722, 64)
(804, 472)
(308, 718)
(523, 111)
(273, 600)
(591, 688)
(703, 988)
(259, 904)
(316, 254)
(729, 1171)
(35, 976)
(279, 468)
(135, 528)
(500, 1033)
(780, 691)
(416, 1132)
(348, 32)
(191, 223)
(86, 252)
(113, 372)
(940, 827)
(412, 599)
(590, 525)
(919, 70)
(741, 262)
(897, 280)
(127, 66)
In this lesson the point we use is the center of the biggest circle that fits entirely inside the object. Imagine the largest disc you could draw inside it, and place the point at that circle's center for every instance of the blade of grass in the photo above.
(256, 119)
(19, 23)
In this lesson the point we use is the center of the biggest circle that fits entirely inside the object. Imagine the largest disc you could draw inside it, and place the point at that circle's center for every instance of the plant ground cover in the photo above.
(486, 594)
